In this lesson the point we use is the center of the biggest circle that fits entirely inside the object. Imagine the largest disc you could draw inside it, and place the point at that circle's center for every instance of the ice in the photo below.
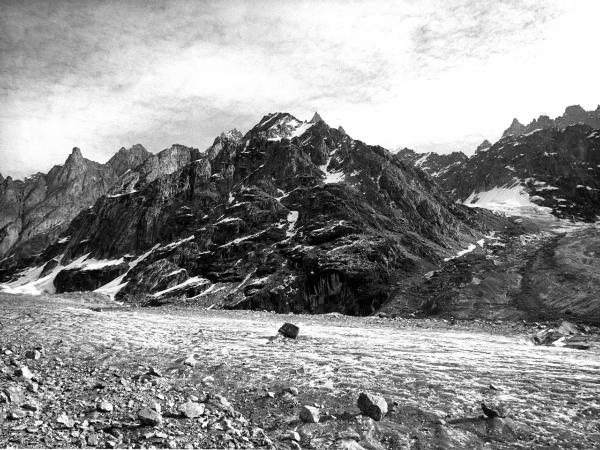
(511, 199)
(292, 218)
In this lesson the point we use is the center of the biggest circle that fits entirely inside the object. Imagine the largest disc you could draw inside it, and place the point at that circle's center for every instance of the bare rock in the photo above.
(14, 395)
(149, 417)
(191, 409)
(24, 372)
(309, 414)
(373, 406)
(33, 354)
(15, 414)
(289, 330)
(492, 410)
(105, 407)
(65, 420)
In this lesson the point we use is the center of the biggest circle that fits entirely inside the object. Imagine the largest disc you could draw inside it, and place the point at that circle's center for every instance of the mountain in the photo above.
(34, 211)
(573, 115)
(292, 216)
(434, 164)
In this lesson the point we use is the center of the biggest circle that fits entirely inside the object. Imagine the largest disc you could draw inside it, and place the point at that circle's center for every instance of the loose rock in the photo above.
(492, 410)
(191, 409)
(14, 395)
(105, 407)
(373, 406)
(149, 417)
(309, 414)
(289, 330)
(33, 354)
(24, 372)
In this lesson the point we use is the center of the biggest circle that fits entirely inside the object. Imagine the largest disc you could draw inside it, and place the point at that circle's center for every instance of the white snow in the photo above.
(111, 288)
(63, 240)
(192, 280)
(228, 219)
(462, 252)
(177, 243)
(331, 177)
(511, 199)
(292, 218)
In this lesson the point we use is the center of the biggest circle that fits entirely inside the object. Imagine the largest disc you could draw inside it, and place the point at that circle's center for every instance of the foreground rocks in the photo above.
(372, 405)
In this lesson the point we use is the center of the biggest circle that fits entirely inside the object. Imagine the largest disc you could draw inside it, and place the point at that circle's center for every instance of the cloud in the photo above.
(103, 74)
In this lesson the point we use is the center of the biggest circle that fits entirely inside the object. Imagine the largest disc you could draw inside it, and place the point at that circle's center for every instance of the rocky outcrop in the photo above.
(292, 216)
(573, 115)
(78, 280)
(434, 164)
(34, 211)
(557, 169)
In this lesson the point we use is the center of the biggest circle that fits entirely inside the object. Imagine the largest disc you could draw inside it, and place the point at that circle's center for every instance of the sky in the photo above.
(433, 75)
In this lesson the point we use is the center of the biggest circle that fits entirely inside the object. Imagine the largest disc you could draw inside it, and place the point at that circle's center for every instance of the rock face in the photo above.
(573, 115)
(292, 216)
(552, 169)
(373, 406)
(433, 163)
(34, 211)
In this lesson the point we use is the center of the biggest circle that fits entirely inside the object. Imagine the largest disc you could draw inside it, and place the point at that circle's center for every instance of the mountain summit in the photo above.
(293, 216)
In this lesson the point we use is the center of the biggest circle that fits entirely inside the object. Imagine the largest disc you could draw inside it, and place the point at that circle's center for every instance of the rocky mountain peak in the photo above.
(483, 146)
(128, 158)
(75, 156)
(316, 118)
(232, 134)
(573, 115)
(341, 130)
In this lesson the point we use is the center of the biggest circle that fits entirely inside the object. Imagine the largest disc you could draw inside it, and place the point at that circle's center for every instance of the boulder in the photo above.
(191, 409)
(14, 395)
(373, 406)
(289, 330)
(493, 409)
(104, 407)
(309, 414)
(149, 417)
(24, 372)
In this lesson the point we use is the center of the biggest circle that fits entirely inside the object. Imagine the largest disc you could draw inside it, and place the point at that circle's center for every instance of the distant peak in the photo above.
(232, 134)
(75, 156)
(341, 130)
(484, 145)
(574, 109)
(515, 121)
(316, 118)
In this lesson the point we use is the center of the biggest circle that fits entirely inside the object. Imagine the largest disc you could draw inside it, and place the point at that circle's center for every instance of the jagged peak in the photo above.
(75, 156)
(232, 134)
(574, 109)
(515, 121)
(484, 145)
(316, 118)
(341, 130)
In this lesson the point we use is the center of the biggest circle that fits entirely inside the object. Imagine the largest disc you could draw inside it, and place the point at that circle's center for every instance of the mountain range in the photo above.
(291, 216)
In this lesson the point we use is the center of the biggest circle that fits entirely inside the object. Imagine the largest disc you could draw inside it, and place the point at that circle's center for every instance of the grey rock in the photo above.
(309, 414)
(373, 406)
(149, 417)
(14, 395)
(289, 330)
(191, 409)
(24, 372)
(105, 407)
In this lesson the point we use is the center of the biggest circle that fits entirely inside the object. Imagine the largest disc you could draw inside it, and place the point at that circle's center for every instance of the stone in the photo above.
(492, 410)
(289, 330)
(309, 414)
(291, 436)
(30, 406)
(373, 406)
(15, 414)
(14, 395)
(65, 420)
(149, 417)
(32, 387)
(33, 354)
(348, 444)
(156, 407)
(191, 409)
(104, 407)
(92, 439)
(24, 373)
(190, 361)
(153, 371)
(292, 390)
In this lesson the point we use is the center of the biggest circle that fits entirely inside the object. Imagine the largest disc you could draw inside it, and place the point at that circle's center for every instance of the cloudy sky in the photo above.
(428, 74)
